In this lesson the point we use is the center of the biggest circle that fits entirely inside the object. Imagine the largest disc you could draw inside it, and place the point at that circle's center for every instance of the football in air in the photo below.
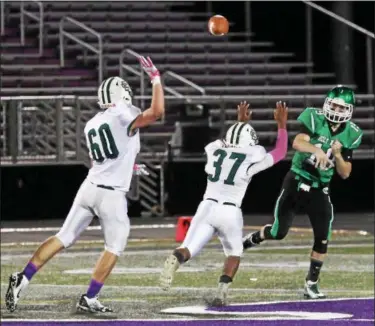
(218, 25)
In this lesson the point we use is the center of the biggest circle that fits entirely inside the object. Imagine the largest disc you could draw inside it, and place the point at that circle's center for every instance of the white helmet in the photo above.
(113, 90)
(241, 134)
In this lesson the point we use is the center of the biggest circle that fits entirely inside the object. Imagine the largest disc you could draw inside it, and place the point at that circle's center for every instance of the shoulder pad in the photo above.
(355, 135)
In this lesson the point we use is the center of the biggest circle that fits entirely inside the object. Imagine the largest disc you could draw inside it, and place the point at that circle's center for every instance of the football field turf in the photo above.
(272, 272)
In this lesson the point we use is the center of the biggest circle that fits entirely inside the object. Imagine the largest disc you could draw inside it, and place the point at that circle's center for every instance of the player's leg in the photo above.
(78, 219)
(230, 225)
(112, 211)
(320, 212)
(199, 233)
(283, 215)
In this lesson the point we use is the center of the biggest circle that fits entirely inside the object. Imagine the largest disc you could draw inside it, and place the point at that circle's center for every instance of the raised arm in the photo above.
(280, 150)
(156, 110)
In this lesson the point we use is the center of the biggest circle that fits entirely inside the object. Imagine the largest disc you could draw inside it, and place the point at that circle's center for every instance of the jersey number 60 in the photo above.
(107, 143)
(238, 159)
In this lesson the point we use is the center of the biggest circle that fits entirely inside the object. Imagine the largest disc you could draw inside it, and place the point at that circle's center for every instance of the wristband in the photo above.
(156, 80)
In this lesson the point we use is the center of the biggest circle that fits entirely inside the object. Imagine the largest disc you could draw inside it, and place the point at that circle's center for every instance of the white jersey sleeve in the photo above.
(127, 117)
(262, 165)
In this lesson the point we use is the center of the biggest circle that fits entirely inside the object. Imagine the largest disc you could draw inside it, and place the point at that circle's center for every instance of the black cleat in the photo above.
(248, 242)
(17, 283)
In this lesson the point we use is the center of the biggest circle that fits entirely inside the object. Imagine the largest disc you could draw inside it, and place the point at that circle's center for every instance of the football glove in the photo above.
(140, 169)
(149, 68)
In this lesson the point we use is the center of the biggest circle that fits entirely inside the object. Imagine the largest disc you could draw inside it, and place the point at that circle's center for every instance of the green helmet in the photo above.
(339, 104)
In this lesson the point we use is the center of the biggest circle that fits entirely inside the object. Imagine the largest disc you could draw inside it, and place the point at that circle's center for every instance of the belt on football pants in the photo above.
(104, 186)
(225, 203)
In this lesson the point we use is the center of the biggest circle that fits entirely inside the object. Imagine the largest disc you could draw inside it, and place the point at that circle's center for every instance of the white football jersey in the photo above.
(227, 169)
(112, 149)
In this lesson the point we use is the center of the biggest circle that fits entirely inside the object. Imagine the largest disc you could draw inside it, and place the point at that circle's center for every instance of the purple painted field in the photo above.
(311, 313)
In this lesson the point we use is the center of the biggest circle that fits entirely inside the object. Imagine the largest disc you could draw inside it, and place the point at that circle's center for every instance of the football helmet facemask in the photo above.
(339, 104)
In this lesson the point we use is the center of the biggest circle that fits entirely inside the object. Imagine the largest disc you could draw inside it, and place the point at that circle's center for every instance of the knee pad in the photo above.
(320, 245)
(281, 234)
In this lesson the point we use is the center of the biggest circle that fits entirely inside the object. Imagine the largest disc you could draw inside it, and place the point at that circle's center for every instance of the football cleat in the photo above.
(312, 291)
(92, 305)
(17, 283)
(247, 241)
(220, 298)
(170, 267)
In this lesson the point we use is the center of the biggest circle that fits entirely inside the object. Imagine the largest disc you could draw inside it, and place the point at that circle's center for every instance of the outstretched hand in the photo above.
(149, 67)
(281, 114)
(243, 112)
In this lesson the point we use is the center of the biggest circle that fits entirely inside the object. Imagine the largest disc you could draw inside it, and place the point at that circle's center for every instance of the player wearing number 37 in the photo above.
(113, 142)
(231, 163)
(325, 144)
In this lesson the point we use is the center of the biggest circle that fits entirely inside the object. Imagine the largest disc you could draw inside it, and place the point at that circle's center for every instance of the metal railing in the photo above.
(369, 37)
(68, 146)
(124, 67)
(98, 51)
(39, 19)
(172, 74)
(2, 17)
(168, 74)
(140, 73)
(199, 98)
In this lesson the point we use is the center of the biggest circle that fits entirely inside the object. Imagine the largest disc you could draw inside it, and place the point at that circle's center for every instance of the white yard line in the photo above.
(90, 228)
(186, 288)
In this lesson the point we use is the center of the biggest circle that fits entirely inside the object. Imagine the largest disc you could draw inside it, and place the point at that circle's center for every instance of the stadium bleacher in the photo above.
(176, 38)
(175, 42)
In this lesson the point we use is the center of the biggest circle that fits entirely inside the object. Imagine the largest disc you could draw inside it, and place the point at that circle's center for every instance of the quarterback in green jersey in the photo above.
(323, 146)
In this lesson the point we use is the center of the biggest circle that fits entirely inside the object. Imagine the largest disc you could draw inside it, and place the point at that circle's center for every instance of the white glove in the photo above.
(150, 69)
(140, 169)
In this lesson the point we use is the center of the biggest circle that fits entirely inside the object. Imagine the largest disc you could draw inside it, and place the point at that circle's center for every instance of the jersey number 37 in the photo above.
(237, 158)
(104, 146)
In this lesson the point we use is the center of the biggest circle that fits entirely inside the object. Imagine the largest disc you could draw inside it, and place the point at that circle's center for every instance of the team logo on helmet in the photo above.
(241, 134)
(113, 90)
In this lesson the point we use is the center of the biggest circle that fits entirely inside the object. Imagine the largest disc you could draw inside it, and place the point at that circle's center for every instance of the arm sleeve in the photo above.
(304, 130)
(281, 147)
(274, 156)
(347, 154)
(308, 121)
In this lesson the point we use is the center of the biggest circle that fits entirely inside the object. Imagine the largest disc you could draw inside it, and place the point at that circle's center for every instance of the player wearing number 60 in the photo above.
(113, 142)
(325, 144)
(231, 163)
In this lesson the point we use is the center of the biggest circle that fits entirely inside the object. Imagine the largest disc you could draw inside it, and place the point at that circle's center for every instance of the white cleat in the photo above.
(17, 283)
(170, 267)
(92, 305)
(312, 291)
(221, 296)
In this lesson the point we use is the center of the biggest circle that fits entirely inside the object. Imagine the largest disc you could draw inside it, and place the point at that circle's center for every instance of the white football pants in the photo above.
(111, 208)
(213, 218)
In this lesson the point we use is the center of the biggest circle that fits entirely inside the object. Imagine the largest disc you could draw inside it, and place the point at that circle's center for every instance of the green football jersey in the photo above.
(350, 136)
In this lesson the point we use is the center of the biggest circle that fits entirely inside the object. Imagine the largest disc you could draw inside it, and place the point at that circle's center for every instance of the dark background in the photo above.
(283, 22)
(47, 192)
